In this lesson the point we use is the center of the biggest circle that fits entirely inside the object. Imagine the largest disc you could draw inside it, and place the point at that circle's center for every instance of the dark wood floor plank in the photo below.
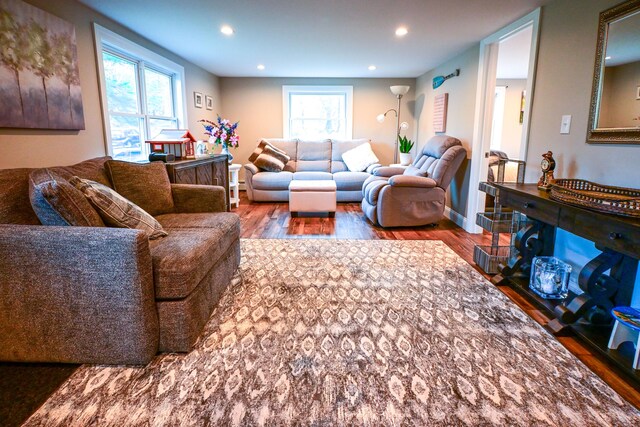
(272, 220)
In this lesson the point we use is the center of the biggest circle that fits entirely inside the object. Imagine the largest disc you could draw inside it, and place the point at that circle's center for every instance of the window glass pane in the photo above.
(126, 140)
(156, 125)
(120, 82)
(158, 89)
(314, 115)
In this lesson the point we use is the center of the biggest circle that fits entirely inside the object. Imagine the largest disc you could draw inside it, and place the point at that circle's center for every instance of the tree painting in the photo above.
(39, 80)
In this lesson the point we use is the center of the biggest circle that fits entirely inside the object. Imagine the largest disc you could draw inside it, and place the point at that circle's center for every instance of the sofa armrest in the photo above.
(411, 181)
(250, 167)
(76, 295)
(190, 198)
(389, 171)
(372, 168)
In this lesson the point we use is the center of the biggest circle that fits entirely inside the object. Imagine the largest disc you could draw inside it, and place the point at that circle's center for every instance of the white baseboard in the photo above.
(454, 216)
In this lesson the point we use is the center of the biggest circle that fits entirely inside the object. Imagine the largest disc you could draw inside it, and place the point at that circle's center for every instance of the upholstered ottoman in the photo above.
(312, 196)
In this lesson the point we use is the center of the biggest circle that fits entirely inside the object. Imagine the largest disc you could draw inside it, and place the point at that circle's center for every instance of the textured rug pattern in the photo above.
(331, 333)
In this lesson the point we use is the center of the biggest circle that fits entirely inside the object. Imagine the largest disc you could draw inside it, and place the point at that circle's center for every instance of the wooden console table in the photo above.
(587, 314)
(212, 170)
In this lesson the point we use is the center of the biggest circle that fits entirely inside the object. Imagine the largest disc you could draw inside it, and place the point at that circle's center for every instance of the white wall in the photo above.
(511, 126)
(39, 148)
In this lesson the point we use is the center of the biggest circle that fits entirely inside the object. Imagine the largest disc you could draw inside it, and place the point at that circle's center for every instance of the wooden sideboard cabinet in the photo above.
(605, 281)
(212, 170)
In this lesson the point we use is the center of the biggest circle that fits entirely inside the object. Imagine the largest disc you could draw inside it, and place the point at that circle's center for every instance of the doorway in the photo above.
(503, 103)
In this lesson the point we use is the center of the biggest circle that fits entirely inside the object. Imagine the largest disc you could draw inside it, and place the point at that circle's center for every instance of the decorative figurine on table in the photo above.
(547, 165)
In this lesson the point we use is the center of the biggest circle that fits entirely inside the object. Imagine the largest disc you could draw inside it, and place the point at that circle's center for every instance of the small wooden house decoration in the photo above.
(179, 142)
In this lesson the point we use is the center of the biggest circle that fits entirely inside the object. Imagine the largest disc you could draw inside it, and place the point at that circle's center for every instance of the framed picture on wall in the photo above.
(40, 81)
(208, 102)
(197, 99)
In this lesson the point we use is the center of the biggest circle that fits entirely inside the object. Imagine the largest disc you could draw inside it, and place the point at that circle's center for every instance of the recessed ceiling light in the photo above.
(226, 30)
(372, 67)
(260, 67)
(607, 57)
(401, 31)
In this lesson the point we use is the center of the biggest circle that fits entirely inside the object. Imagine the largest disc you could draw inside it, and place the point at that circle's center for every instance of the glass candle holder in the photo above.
(550, 277)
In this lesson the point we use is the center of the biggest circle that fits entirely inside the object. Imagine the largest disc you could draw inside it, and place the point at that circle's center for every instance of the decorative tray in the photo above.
(603, 198)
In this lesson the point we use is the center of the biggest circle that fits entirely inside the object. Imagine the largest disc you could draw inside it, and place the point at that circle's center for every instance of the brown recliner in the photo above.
(396, 197)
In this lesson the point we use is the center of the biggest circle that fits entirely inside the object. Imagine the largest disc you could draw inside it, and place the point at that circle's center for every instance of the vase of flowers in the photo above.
(405, 145)
(223, 133)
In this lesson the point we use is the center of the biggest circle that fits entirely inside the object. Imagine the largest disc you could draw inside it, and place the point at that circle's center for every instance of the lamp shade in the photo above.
(380, 118)
(399, 90)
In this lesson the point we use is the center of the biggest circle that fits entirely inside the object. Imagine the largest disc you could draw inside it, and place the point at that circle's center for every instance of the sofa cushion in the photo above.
(57, 202)
(92, 169)
(438, 145)
(414, 171)
(15, 206)
(360, 158)
(196, 242)
(338, 148)
(350, 181)
(272, 180)
(314, 156)
(290, 147)
(312, 176)
(146, 185)
(115, 210)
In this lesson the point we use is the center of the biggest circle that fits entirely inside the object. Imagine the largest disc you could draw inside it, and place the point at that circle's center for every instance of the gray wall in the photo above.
(257, 104)
(37, 148)
(460, 115)
(563, 86)
(619, 106)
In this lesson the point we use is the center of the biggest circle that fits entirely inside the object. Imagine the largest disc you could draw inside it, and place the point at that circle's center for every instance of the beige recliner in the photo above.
(396, 197)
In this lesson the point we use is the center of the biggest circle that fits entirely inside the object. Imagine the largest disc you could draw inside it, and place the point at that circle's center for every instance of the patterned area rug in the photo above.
(369, 333)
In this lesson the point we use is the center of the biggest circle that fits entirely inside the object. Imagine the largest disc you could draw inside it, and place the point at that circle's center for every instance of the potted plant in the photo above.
(405, 145)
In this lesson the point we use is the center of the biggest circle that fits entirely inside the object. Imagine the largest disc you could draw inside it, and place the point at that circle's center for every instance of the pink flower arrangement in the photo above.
(221, 132)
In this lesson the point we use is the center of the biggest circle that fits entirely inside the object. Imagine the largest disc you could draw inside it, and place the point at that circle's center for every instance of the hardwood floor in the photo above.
(24, 387)
(272, 221)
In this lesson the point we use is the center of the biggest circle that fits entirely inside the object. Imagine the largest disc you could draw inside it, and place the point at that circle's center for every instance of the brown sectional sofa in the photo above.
(110, 295)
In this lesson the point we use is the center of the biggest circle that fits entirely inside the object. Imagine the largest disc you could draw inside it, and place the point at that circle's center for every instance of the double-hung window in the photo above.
(318, 112)
(142, 93)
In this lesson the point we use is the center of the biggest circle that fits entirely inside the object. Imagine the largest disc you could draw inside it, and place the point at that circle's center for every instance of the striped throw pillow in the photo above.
(269, 158)
(116, 211)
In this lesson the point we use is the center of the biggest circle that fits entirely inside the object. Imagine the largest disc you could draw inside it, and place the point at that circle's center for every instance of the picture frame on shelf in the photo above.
(208, 102)
(197, 99)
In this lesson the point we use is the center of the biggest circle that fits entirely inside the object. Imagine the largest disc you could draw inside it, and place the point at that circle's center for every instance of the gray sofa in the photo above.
(109, 295)
(310, 160)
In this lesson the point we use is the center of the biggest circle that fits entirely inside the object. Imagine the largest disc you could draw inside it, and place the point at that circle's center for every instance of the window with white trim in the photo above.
(142, 93)
(318, 112)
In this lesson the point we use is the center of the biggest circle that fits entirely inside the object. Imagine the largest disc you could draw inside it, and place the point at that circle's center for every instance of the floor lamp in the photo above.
(399, 92)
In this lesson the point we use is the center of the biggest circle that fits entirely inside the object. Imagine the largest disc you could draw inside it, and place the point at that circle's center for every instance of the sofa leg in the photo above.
(294, 214)
(332, 214)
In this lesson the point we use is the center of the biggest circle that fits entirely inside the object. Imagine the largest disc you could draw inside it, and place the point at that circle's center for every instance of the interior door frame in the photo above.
(483, 118)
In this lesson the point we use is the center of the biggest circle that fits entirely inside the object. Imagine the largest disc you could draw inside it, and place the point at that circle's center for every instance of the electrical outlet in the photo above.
(565, 125)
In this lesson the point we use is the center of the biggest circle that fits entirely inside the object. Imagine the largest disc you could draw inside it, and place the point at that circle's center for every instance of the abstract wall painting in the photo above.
(39, 80)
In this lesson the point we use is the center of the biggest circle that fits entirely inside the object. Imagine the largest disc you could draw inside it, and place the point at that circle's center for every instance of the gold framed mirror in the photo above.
(614, 115)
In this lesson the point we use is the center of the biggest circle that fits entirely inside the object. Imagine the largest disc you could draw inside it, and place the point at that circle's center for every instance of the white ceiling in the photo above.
(513, 55)
(315, 38)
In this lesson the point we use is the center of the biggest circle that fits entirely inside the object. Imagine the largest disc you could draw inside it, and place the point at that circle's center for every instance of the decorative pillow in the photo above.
(145, 184)
(271, 160)
(56, 202)
(414, 171)
(359, 158)
(260, 148)
(116, 211)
